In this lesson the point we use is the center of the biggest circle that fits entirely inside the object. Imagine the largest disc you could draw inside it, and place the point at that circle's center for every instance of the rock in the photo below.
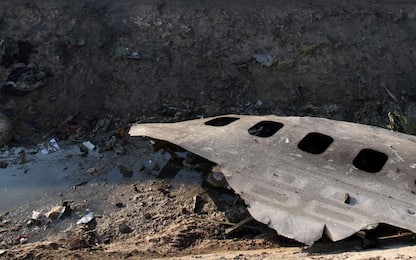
(5, 130)
(77, 243)
(124, 228)
(55, 212)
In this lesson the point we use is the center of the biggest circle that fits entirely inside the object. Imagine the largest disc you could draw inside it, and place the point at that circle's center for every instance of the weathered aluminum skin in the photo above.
(300, 194)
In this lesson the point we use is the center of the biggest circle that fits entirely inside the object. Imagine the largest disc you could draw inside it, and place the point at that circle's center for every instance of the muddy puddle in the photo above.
(31, 177)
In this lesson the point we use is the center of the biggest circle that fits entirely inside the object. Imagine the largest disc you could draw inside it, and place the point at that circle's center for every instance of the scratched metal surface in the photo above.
(300, 194)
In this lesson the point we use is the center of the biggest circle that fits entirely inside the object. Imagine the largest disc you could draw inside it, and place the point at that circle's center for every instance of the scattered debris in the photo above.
(50, 147)
(87, 146)
(86, 219)
(272, 187)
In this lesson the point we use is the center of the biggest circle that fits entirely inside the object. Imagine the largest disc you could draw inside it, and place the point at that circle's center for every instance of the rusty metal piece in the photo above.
(304, 176)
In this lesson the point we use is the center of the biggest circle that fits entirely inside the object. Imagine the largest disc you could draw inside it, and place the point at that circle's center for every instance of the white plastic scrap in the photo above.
(90, 146)
(50, 147)
(86, 219)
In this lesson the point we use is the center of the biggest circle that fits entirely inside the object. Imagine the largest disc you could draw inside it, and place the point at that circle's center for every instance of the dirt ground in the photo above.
(349, 61)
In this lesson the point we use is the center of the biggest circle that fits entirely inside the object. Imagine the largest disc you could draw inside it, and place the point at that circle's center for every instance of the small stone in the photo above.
(124, 228)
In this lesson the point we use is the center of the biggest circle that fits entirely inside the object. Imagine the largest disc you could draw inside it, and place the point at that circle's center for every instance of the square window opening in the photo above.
(370, 160)
(221, 121)
(265, 128)
(315, 143)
